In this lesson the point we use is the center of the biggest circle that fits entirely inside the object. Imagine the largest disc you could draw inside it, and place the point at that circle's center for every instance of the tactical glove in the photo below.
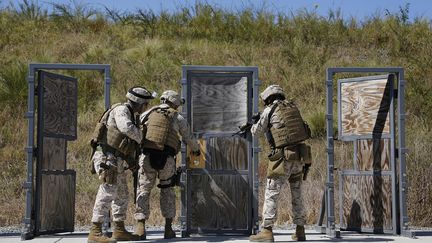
(108, 173)
(256, 117)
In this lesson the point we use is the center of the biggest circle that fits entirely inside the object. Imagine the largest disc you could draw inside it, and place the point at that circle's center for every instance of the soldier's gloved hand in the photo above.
(256, 117)
(196, 153)
(103, 168)
(108, 173)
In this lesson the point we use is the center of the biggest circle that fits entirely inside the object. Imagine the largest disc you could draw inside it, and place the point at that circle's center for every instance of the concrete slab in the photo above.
(280, 236)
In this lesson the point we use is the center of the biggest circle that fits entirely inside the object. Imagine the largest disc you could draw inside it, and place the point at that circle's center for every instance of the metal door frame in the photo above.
(31, 150)
(401, 222)
(253, 148)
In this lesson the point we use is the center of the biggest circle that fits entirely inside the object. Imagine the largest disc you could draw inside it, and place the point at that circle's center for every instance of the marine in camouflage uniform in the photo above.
(286, 163)
(161, 165)
(109, 161)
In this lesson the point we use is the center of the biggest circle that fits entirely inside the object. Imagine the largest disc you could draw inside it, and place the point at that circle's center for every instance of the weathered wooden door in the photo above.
(368, 190)
(57, 124)
(219, 196)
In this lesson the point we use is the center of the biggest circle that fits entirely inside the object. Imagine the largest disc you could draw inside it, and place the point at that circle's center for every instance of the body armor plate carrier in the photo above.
(160, 133)
(291, 129)
(112, 138)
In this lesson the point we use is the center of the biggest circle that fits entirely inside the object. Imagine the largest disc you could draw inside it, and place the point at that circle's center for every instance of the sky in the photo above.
(354, 8)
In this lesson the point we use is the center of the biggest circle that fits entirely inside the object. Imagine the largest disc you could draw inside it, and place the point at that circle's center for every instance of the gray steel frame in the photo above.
(32, 151)
(251, 173)
(401, 224)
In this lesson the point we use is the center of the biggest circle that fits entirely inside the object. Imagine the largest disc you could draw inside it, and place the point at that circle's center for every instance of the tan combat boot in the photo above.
(139, 229)
(169, 232)
(121, 234)
(96, 236)
(299, 234)
(266, 235)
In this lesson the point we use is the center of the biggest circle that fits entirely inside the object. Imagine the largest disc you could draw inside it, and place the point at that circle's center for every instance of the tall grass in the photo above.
(148, 48)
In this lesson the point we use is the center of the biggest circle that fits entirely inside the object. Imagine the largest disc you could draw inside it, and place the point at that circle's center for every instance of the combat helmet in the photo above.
(172, 97)
(272, 90)
(139, 95)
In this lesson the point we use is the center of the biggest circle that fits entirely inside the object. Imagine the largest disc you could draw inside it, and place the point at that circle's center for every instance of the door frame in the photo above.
(253, 146)
(30, 229)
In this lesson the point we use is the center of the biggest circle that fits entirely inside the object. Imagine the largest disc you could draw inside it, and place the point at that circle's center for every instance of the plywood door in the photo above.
(218, 103)
(220, 193)
(57, 201)
(59, 105)
(365, 105)
(219, 202)
(367, 202)
(54, 154)
(373, 154)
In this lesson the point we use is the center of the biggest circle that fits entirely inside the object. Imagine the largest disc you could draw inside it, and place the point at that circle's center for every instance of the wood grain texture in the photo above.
(228, 153)
(54, 154)
(60, 106)
(365, 107)
(373, 154)
(367, 202)
(219, 202)
(197, 161)
(57, 202)
(218, 103)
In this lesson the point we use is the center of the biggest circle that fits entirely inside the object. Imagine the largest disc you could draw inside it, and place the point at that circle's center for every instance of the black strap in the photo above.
(269, 135)
(271, 113)
(132, 113)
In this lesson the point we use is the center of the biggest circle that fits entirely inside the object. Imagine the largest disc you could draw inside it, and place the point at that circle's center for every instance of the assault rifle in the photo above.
(243, 130)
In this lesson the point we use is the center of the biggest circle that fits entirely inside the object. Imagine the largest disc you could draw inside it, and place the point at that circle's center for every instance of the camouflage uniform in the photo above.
(114, 194)
(293, 166)
(147, 175)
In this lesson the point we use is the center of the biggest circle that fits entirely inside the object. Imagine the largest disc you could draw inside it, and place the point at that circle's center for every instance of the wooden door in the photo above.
(219, 187)
(57, 124)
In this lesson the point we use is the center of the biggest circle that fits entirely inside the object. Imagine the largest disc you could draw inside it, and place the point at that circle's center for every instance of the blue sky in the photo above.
(356, 8)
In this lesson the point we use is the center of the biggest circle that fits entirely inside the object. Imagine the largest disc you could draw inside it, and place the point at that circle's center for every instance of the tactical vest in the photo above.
(112, 137)
(160, 132)
(292, 129)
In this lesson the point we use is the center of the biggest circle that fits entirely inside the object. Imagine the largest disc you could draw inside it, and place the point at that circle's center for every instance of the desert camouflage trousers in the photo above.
(293, 173)
(111, 195)
(146, 182)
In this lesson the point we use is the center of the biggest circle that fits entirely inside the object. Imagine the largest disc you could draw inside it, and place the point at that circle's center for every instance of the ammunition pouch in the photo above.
(276, 154)
(122, 143)
(277, 157)
(305, 153)
(276, 165)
